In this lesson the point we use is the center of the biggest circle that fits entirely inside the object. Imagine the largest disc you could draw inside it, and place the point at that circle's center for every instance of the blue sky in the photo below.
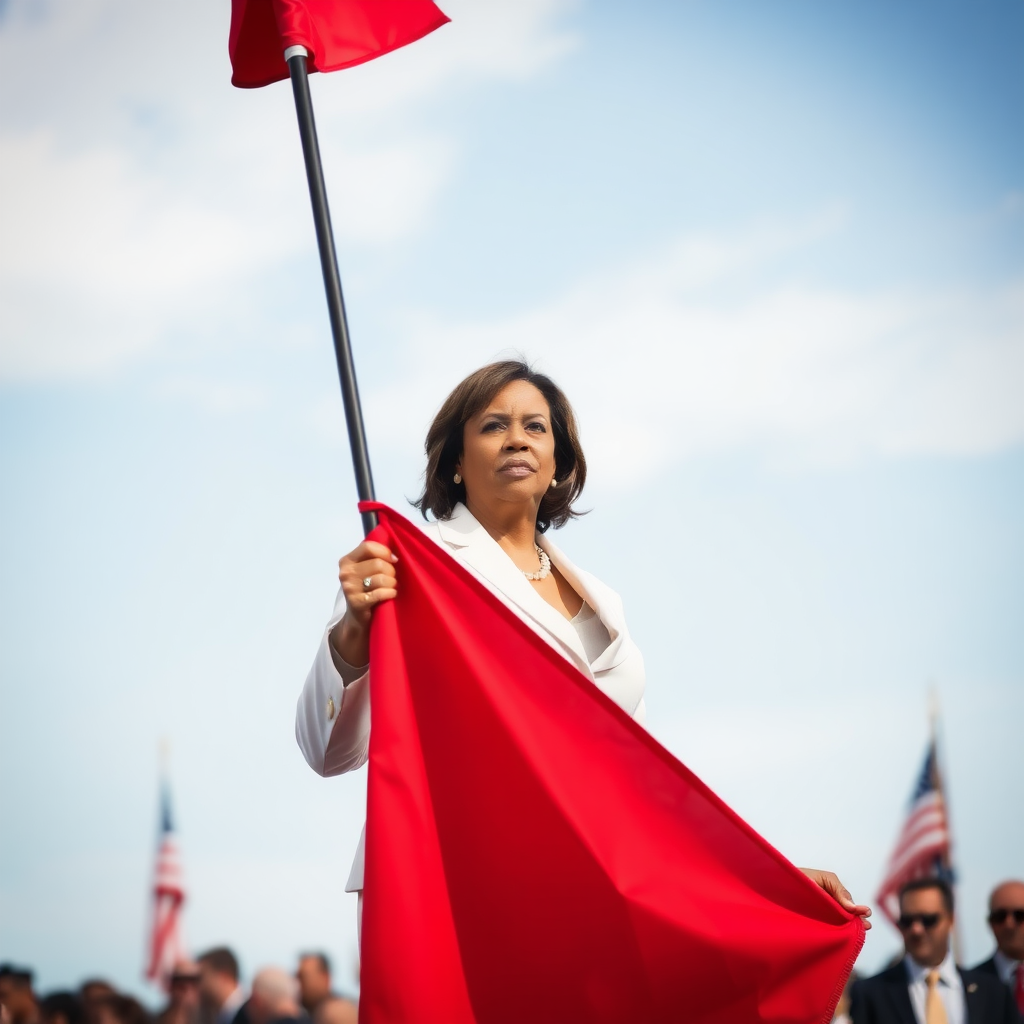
(774, 253)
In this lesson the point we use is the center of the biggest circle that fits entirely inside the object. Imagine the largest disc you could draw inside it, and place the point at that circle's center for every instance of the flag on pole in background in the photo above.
(923, 848)
(337, 33)
(533, 854)
(166, 943)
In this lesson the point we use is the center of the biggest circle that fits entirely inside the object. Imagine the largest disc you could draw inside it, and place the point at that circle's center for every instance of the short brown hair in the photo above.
(943, 887)
(221, 960)
(444, 443)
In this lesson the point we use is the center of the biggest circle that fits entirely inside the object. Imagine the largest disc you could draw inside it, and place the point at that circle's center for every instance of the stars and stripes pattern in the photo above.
(923, 848)
(166, 944)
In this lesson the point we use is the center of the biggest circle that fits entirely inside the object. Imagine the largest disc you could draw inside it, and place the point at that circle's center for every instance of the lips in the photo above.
(517, 468)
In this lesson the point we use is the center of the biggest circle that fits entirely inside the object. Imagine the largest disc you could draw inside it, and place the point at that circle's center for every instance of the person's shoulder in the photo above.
(894, 975)
(976, 979)
(985, 967)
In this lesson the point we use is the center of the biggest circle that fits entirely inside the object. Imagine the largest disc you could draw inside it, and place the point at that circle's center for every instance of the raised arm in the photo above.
(332, 720)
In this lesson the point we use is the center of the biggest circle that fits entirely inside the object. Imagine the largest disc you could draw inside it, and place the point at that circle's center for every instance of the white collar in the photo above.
(481, 552)
(948, 974)
(1006, 968)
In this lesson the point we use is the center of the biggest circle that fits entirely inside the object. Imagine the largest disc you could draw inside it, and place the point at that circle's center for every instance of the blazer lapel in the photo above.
(482, 553)
(602, 599)
(899, 993)
(972, 998)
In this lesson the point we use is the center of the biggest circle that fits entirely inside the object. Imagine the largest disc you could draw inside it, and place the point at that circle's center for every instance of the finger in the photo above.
(367, 551)
(372, 567)
(355, 582)
(371, 549)
(371, 583)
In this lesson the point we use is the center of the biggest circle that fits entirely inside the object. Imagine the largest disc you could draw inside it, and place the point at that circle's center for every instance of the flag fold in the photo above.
(337, 33)
(533, 854)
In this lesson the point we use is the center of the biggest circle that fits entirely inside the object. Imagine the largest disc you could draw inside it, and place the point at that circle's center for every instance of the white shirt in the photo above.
(950, 986)
(593, 633)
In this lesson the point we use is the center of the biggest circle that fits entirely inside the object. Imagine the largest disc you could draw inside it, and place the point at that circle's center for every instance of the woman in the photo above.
(504, 464)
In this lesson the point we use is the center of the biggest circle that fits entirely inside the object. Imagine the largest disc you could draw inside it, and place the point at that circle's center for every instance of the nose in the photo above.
(517, 439)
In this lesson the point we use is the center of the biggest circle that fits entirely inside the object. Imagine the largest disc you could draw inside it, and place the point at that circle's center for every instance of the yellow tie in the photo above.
(934, 1011)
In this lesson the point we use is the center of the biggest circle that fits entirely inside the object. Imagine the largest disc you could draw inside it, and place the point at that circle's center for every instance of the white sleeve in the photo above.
(332, 720)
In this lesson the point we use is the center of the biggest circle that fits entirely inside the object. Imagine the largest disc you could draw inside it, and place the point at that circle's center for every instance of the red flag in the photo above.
(532, 854)
(337, 33)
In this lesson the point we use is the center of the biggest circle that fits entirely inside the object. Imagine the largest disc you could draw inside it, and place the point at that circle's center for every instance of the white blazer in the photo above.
(332, 720)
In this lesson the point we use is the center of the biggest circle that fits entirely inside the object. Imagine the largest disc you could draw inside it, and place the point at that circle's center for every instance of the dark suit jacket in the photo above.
(885, 999)
(988, 967)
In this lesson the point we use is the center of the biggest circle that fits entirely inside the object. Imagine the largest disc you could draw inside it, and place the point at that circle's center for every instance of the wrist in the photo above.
(350, 642)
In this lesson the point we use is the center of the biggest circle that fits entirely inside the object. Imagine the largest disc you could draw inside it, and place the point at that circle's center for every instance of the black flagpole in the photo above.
(296, 58)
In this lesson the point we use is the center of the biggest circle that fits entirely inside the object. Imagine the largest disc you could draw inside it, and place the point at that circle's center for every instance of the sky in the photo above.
(774, 253)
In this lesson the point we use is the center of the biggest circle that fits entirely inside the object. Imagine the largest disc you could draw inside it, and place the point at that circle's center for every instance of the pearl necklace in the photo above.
(545, 566)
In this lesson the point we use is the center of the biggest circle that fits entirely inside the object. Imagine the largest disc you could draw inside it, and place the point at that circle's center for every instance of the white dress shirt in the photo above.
(950, 986)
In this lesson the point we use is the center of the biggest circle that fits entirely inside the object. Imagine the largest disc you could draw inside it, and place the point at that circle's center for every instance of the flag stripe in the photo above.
(923, 846)
(166, 943)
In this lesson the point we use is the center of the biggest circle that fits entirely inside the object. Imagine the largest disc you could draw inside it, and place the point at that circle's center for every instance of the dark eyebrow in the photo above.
(505, 416)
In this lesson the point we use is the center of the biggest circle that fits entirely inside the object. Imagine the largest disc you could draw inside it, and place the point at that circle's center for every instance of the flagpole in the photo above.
(296, 58)
(934, 717)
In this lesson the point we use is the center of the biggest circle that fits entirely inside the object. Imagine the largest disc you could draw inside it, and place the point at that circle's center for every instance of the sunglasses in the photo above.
(999, 916)
(927, 921)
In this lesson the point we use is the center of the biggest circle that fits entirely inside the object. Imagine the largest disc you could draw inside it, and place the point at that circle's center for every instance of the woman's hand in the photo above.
(829, 881)
(367, 576)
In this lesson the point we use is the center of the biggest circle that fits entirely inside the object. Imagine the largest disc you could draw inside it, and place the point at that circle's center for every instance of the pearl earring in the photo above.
(458, 479)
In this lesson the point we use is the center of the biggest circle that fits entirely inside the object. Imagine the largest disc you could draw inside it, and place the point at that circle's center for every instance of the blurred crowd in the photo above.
(207, 990)
(924, 984)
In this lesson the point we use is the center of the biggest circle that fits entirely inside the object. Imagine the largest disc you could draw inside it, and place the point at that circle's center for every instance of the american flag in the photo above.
(166, 944)
(923, 848)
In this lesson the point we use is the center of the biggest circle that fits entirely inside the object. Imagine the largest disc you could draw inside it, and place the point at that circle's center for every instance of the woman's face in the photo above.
(508, 449)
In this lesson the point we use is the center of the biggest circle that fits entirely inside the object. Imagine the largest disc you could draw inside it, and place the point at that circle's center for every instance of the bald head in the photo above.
(275, 996)
(1006, 918)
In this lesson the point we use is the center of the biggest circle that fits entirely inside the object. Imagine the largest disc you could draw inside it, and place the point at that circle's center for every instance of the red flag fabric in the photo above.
(533, 854)
(337, 33)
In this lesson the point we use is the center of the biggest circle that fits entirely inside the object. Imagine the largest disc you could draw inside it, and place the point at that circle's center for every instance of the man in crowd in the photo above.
(1006, 919)
(95, 993)
(926, 986)
(322, 1005)
(182, 995)
(62, 1008)
(16, 995)
(219, 991)
(275, 998)
(314, 976)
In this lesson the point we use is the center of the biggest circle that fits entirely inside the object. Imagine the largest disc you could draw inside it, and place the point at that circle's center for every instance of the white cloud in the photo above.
(513, 39)
(691, 354)
(137, 188)
(90, 224)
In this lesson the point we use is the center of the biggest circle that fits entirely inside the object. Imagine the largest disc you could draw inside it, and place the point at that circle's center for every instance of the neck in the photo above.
(930, 963)
(514, 527)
